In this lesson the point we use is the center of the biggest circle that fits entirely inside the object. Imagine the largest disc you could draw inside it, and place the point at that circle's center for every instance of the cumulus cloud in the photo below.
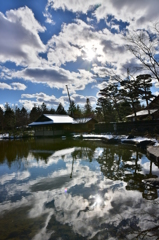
(42, 97)
(17, 176)
(80, 6)
(52, 101)
(80, 40)
(20, 42)
(57, 77)
(12, 86)
(81, 100)
(134, 12)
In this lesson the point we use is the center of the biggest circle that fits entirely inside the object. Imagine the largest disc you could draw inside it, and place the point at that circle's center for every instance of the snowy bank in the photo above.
(109, 138)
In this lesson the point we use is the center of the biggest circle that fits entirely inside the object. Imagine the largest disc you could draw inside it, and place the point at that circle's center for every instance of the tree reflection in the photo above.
(123, 164)
(13, 151)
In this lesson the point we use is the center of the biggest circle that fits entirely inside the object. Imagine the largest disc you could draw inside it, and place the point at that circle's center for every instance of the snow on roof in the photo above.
(60, 118)
(142, 113)
(82, 120)
(54, 119)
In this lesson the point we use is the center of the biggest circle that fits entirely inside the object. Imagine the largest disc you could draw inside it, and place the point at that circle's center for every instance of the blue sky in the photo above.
(48, 44)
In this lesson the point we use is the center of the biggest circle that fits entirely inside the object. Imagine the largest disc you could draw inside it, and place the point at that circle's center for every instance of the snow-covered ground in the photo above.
(4, 135)
(122, 138)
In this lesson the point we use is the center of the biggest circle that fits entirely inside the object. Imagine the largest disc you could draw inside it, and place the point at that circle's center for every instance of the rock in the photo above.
(130, 136)
(129, 141)
(145, 143)
(114, 140)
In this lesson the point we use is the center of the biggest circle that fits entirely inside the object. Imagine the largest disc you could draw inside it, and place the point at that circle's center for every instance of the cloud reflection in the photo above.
(89, 203)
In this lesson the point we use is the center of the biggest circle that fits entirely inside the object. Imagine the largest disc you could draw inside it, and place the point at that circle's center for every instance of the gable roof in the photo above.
(142, 113)
(52, 119)
(154, 103)
(84, 120)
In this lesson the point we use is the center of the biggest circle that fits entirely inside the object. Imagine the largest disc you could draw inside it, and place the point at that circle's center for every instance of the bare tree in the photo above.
(144, 45)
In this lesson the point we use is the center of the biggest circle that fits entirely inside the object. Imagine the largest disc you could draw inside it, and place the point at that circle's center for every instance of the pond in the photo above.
(76, 189)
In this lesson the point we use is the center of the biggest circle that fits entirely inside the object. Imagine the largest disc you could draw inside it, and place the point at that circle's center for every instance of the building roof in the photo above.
(142, 113)
(82, 120)
(52, 119)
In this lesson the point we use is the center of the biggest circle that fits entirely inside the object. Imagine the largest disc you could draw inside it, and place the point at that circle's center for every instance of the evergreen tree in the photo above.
(78, 112)
(35, 113)
(24, 116)
(1, 119)
(44, 108)
(52, 111)
(105, 106)
(145, 85)
(111, 93)
(87, 109)
(130, 91)
(72, 109)
(60, 109)
(9, 118)
(17, 117)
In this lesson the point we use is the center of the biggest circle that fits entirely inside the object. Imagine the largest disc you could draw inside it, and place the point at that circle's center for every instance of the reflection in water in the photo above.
(53, 189)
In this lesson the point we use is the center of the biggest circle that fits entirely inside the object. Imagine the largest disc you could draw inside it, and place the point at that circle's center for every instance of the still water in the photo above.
(71, 189)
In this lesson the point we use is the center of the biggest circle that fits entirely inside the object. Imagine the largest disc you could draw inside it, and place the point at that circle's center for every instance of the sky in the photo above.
(48, 44)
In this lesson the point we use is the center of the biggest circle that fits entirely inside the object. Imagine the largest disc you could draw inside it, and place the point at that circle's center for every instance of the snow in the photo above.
(140, 139)
(54, 119)
(93, 136)
(59, 118)
(82, 120)
(142, 113)
(120, 137)
(4, 135)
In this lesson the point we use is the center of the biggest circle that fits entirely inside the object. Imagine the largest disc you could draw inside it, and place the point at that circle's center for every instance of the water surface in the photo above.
(71, 189)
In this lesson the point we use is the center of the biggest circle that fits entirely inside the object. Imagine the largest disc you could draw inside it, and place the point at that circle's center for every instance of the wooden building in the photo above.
(52, 125)
(57, 125)
(84, 125)
(153, 108)
(144, 115)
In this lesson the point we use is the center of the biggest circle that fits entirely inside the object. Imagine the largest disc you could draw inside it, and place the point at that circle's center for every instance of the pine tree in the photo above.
(72, 109)
(44, 108)
(145, 85)
(9, 117)
(60, 109)
(130, 91)
(1, 119)
(87, 109)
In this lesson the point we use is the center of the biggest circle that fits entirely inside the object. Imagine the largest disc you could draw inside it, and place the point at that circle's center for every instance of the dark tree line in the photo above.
(11, 119)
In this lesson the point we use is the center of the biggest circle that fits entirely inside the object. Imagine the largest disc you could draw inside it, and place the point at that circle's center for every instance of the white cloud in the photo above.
(134, 12)
(18, 86)
(48, 17)
(79, 6)
(52, 101)
(57, 77)
(81, 100)
(67, 46)
(5, 86)
(79, 39)
(20, 42)
(13, 86)
(17, 176)
(42, 97)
